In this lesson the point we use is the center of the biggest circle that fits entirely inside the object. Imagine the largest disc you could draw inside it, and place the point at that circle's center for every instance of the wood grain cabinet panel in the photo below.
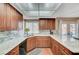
(31, 44)
(9, 17)
(38, 42)
(42, 41)
(47, 23)
(3, 17)
(58, 49)
(13, 18)
(42, 24)
(54, 47)
(14, 51)
(50, 23)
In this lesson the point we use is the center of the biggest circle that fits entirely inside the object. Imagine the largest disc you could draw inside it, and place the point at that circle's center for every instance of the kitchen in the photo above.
(39, 29)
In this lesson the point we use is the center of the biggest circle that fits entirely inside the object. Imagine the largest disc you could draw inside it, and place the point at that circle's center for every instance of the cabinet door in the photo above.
(9, 17)
(52, 45)
(58, 49)
(50, 24)
(64, 50)
(46, 23)
(14, 51)
(43, 24)
(2, 17)
(8, 23)
(53, 23)
(31, 42)
(13, 18)
(42, 41)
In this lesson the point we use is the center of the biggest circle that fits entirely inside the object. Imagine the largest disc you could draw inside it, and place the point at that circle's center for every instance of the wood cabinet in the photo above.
(38, 42)
(50, 23)
(3, 17)
(31, 44)
(42, 24)
(13, 18)
(9, 17)
(14, 51)
(47, 23)
(42, 41)
(58, 49)
(55, 47)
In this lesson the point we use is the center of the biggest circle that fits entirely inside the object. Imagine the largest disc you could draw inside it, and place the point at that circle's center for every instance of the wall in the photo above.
(67, 10)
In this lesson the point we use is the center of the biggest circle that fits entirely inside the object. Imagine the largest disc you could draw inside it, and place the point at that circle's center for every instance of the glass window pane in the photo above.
(64, 29)
(72, 29)
(33, 26)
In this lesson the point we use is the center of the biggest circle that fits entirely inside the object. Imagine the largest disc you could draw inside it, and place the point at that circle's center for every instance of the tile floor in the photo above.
(40, 51)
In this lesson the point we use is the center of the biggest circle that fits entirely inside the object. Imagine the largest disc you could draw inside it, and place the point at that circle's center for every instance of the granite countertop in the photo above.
(9, 44)
(70, 43)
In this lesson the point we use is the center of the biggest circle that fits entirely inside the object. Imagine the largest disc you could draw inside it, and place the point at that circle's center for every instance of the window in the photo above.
(64, 29)
(70, 29)
(33, 26)
(73, 29)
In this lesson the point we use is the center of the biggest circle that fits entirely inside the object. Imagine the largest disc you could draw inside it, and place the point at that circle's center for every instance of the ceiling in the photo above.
(37, 9)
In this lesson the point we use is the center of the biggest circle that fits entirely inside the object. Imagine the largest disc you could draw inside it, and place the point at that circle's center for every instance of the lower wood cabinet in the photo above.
(14, 51)
(31, 43)
(58, 49)
(54, 47)
(38, 42)
(42, 42)
(47, 42)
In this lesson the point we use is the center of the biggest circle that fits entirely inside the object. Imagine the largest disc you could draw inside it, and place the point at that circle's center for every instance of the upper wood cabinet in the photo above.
(47, 23)
(3, 17)
(42, 24)
(9, 17)
(51, 23)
